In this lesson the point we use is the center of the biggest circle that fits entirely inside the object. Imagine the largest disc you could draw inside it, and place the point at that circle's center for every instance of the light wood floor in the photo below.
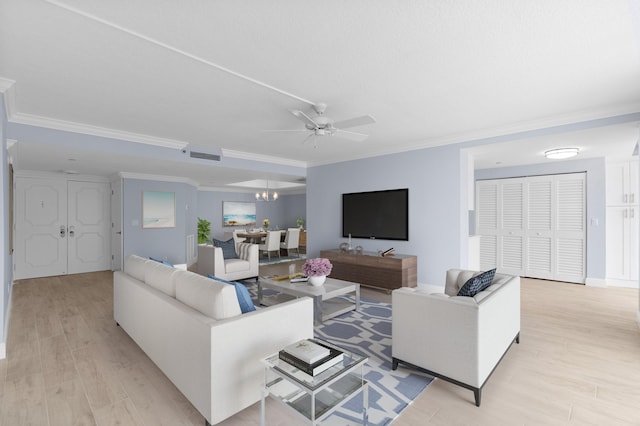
(68, 364)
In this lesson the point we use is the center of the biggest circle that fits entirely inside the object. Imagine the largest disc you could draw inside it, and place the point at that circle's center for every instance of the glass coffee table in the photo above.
(315, 397)
(326, 301)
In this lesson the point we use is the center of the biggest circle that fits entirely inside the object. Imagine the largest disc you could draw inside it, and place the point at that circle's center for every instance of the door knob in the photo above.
(72, 231)
(63, 231)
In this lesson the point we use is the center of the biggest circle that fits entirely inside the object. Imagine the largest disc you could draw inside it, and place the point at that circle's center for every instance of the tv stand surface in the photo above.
(372, 270)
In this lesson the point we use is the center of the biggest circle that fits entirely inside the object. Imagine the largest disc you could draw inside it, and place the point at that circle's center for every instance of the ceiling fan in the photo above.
(322, 125)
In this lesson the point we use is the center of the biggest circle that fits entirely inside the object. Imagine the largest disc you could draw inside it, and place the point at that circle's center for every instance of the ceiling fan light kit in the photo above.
(561, 153)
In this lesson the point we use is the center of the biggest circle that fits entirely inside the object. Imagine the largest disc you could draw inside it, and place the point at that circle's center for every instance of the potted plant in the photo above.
(265, 223)
(204, 231)
(317, 270)
(300, 222)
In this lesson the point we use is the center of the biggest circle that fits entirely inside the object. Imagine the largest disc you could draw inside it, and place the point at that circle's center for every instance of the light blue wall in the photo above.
(596, 198)
(165, 243)
(5, 256)
(281, 214)
(438, 219)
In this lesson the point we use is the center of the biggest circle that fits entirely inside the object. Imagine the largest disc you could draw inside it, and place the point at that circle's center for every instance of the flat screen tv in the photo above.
(379, 215)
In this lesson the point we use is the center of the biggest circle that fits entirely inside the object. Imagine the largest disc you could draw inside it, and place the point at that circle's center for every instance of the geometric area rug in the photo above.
(368, 332)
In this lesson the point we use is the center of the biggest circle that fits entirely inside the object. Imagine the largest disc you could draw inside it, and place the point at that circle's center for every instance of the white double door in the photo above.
(61, 227)
(534, 226)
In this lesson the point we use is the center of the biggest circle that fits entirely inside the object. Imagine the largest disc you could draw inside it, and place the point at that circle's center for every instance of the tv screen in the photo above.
(380, 215)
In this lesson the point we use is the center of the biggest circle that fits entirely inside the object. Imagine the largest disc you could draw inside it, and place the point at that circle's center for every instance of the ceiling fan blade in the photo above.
(354, 122)
(352, 136)
(285, 130)
(311, 137)
(308, 121)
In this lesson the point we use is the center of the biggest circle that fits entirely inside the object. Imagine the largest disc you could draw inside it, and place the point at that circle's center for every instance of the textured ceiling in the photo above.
(220, 73)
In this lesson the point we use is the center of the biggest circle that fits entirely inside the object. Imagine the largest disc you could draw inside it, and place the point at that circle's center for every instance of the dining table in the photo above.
(256, 237)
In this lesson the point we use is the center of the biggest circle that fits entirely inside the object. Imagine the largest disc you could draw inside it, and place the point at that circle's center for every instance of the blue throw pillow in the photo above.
(244, 298)
(476, 284)
(228, 248)
(164, 262)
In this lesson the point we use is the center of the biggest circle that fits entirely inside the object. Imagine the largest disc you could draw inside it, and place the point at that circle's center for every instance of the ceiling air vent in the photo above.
(203, 153)
(204, 156)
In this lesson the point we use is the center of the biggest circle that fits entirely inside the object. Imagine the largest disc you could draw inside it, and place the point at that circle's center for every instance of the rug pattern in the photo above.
(368, 332)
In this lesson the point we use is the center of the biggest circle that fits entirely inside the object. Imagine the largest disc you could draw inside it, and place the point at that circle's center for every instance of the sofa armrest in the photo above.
(240, 343)
(455, 336)
(435, 332)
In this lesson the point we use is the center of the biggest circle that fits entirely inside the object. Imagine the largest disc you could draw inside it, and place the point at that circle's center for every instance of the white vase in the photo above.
(317, 280)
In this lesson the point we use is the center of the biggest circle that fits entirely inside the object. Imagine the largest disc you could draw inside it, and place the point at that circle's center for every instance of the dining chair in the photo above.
(271, 243)
(291, 240)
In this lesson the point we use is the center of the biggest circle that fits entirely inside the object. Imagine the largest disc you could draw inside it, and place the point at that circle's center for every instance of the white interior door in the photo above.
(40, 237)
(88, 227)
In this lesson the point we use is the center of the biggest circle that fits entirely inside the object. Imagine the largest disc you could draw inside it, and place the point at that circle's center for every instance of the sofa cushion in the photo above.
(477, 283)
(228, 248)
(161, 277)
(135, 266)
(236, 265)
(244, 298)
(212, 298)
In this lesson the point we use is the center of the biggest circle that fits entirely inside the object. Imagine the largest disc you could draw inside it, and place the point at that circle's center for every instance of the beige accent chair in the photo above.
(291, 240)
(271, 243)
(459, 339)
(212, 262)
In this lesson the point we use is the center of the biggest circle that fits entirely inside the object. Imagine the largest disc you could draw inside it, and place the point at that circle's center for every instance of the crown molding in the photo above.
(7, 88)
(558, 124)
(159, 178)
(69, 126)
(263, 158)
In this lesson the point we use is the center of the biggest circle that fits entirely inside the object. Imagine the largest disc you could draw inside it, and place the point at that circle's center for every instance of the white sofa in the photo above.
(211, 262)
(456, 338)
(192, 328)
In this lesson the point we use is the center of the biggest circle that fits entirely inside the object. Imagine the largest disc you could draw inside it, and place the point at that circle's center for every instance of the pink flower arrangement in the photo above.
(317, 267)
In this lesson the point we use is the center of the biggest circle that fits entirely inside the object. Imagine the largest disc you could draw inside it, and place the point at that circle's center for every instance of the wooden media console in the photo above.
(372, 270)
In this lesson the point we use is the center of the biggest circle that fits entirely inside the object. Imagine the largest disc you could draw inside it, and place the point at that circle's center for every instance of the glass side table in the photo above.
(315, 397)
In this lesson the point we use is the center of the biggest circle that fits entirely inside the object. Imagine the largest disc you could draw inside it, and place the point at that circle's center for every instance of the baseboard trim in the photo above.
(595, 282)
(622, 283)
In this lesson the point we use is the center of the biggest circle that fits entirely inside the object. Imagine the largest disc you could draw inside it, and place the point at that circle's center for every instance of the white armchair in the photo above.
(291, 240)
(271, 243)
(212, 262)
(456, 338)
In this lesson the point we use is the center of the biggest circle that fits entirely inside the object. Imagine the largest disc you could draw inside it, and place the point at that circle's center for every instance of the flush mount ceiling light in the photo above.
(561, 153)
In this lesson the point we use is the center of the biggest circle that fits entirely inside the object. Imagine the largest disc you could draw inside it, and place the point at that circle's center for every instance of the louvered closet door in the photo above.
(533, 226)
(539, 240)
(511, 232)
(487, 222)
(570, 233)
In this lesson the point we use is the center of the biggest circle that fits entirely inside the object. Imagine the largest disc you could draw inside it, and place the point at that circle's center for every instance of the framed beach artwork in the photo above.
(237, 213)
(158, 209)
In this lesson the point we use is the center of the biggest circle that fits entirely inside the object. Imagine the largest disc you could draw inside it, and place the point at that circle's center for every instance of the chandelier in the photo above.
(266, 196)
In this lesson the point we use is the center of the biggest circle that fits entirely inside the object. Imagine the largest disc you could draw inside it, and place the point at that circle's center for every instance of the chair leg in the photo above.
(394, 364)
(477, 393)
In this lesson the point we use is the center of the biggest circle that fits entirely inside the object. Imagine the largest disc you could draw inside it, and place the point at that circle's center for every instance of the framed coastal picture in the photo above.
(237, 213)
(158, 209)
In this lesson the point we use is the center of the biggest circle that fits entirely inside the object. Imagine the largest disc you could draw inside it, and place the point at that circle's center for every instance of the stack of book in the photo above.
(311, 356)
